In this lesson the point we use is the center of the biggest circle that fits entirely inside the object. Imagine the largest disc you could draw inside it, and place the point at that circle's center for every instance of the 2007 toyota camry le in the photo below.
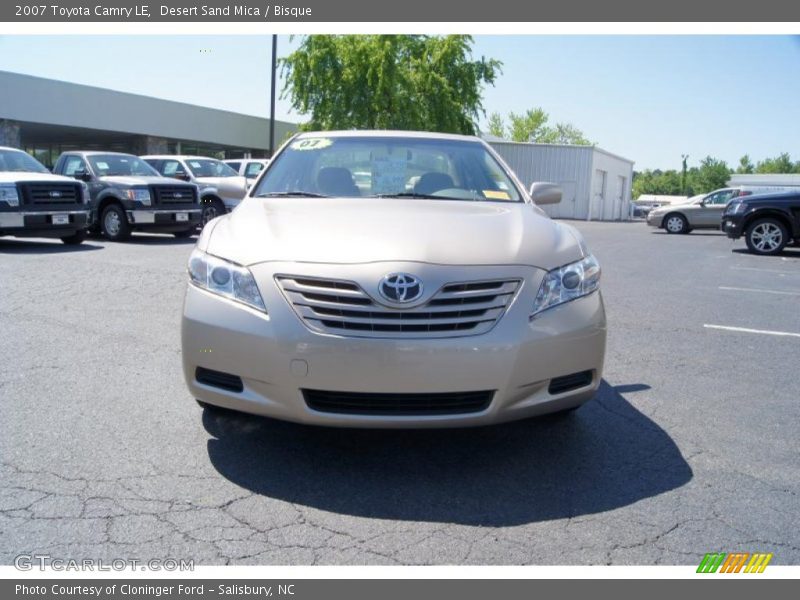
(392, 279)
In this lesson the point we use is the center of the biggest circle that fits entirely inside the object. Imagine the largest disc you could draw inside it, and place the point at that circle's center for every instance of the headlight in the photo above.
(567, 283)
(224, 278)
(139, 195)
(9, 195)
(734, 208)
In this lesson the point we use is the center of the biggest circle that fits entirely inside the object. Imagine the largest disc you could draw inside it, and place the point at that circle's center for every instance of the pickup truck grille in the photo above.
(344, 308)
(50, 194)
(172, 195)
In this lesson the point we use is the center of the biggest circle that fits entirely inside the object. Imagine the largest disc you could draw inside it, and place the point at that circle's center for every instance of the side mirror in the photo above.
(182, 176)
(545, 193)
(82, 175)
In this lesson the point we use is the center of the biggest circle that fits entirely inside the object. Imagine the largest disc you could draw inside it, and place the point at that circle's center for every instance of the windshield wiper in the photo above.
(293, 194)
(414, 195)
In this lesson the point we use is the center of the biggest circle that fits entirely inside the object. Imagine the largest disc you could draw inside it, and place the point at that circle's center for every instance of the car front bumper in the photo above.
(655, 220)
(44, 223)
(732, 226)
(277, 357)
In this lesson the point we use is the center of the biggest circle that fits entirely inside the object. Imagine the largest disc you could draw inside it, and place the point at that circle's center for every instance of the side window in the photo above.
(234, 165)
(172, 168)
(252, 169)
(74, 164)
(720, 197)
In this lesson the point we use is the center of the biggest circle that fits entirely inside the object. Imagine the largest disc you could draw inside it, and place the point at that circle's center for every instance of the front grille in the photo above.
(566, 383)
(172, 195)
(360, 403)
(51, 194)
(344, 308)
(225, 381)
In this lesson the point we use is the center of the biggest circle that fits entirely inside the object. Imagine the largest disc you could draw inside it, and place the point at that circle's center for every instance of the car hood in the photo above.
(130, 181)
(230, 187)
(15, 176)
(359, 230)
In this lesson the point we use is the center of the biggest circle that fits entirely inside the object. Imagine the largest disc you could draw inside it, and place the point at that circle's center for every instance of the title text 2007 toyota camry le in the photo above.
(392, 279)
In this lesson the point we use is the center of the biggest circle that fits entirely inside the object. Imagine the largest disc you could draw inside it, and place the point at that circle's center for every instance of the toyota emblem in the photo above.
(400, 287)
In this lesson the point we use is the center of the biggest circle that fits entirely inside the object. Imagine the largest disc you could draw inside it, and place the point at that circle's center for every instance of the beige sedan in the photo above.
(699, 212)
(430, 292)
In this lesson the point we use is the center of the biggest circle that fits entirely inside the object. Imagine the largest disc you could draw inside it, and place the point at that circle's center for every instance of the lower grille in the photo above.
(359, 403)
(218, 379)
(171, 195)
(566, 383)
(344, 308)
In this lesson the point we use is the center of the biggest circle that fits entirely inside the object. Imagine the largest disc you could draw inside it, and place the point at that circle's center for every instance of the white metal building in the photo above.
(596, 183)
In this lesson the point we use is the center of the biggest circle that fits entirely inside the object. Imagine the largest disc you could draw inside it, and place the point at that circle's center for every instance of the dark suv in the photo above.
(767, 221)
(128, 194)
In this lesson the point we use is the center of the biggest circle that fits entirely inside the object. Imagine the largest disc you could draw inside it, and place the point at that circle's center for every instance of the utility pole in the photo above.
(272, 95)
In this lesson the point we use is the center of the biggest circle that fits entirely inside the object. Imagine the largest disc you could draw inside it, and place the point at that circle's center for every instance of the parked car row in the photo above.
(767, 217)
(113, 194)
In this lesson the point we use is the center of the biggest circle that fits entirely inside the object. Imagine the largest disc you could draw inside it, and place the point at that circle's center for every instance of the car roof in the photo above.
(390, 133)
(96, 152)
(180, 156)
(10, 148)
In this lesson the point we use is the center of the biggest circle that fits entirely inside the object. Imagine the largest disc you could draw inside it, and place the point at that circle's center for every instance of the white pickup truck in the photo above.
(36, 203)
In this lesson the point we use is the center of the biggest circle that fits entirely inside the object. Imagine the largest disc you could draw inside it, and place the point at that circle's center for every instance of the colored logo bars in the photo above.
(737, 562)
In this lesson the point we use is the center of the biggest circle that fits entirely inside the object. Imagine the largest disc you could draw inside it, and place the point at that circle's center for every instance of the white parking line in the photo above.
(766, 270)
(746, 330)
(757, 291)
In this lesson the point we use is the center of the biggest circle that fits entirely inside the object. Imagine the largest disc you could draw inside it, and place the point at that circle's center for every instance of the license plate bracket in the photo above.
(60, 219)
(181, 217)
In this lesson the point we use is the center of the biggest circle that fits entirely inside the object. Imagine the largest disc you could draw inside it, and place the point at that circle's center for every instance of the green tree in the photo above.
(710, 175)
(532, 126)
(496, 125)
(745, 165)
(780, 164)
(420, 82)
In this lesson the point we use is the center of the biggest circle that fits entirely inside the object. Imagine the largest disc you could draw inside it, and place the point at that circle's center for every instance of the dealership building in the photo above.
(596, 183)
(46, 117)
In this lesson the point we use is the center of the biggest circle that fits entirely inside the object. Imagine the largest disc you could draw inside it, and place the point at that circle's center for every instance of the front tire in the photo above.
(114, 224)
(676, 223)
(212, 208)
(75, 239)
(766, 237)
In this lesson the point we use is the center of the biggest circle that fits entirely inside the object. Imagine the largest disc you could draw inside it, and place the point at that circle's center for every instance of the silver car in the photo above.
(221, 188)
(430, 292)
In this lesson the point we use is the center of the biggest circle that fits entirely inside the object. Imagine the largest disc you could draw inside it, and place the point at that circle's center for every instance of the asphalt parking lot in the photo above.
(691, 446)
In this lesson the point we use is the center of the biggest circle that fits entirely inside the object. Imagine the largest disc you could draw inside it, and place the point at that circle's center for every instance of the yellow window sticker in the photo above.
(311, 144)
(496, 195)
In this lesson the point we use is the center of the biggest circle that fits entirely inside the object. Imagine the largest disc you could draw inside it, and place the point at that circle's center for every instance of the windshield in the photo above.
(106, 165)
(398, 167)
(209, 167)
(17, 160)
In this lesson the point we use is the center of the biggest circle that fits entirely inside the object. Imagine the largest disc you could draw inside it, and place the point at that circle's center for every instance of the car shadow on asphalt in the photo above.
(790, 252)
(691, 234)
(53, 247)
(158, 240)
(604, 456)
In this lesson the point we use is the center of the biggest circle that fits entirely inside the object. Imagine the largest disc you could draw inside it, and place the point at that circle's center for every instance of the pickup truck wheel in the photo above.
(76, 238)
(676, 223)
(766, 237)
(212, 208)
(114, 223)
(187, 233)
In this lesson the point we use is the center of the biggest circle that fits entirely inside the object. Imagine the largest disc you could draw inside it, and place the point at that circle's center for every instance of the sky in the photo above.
(647, 98)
